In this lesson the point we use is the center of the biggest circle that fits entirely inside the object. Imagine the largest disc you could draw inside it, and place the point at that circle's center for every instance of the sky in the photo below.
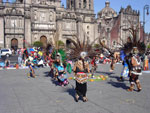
(117, 4)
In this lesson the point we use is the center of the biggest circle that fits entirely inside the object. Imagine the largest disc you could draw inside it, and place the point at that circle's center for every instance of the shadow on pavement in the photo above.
(71, 91)
(118, 84)
(47, 74)
(115, 77)
(55, 82)
(107, 73)
(114, 84)
(110, 75)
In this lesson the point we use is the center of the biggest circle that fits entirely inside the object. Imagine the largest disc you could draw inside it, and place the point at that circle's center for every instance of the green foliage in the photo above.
(62, 52)
(96, 46)
(148, 46)
(60, 43)
(38, 44)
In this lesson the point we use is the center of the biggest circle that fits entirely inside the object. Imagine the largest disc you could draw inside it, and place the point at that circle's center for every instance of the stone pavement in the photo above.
(19, 94)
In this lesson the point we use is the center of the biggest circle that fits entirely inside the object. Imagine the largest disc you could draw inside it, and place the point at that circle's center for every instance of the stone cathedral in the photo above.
(26, 21)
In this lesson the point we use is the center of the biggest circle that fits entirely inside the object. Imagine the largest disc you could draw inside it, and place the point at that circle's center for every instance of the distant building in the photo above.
(113, 28)
(24, 22)
(147, 38)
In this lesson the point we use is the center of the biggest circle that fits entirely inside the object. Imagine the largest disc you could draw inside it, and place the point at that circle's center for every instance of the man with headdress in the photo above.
(133, 48)
(81, 67)
(81, 48)
(135, 70)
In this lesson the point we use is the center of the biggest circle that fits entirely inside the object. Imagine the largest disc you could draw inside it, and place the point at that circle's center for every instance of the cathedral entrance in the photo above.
(14, 44)
(43, 39)
(68, 43)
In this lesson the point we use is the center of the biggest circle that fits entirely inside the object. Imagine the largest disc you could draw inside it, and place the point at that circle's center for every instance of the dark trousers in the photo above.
(81, 89)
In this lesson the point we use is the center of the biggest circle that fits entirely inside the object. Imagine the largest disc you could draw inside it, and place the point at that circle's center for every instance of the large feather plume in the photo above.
(133, 41)
(79, 45)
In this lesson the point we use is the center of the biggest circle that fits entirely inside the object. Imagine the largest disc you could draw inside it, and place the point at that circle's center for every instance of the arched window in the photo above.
(84, 3)
(43, 39)
(108, 30)
(21, 1)
(14, 43)
(114, 43)
(88, 27)
(79, 5)
(99, 27)
(72, 4)
(68, 43)
(90, 6)
(68, 4)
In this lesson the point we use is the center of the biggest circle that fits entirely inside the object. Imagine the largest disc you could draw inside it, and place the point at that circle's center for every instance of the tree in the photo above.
(38, 44)
(60, 43)
(96, 46)
(148, 47)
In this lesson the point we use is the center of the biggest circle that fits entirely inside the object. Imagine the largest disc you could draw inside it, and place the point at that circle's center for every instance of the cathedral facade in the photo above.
(26, 21)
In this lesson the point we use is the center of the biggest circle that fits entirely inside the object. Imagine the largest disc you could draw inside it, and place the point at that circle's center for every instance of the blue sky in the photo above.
(9, 0)
(117, 4)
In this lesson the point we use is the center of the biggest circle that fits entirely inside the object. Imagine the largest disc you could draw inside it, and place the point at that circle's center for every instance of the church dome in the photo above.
(107, 12)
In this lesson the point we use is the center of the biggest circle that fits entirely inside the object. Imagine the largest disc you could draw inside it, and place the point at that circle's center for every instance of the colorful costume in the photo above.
(94, 63)
(125, 63)
(80, 49)
(145, 64)
(135, 72)
(132, 48)
(69, 67)
(62, 76)
(50, 61)
(81, 68)
(125, 70)
(31, 72)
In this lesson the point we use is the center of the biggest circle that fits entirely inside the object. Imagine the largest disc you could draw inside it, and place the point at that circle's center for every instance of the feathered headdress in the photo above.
(134, 42)
(81, 48)
(108, 51)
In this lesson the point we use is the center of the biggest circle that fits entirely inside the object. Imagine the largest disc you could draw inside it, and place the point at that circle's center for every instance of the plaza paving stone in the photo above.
(20, 94)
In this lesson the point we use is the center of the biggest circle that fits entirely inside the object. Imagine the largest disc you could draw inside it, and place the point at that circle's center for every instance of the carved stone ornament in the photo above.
(51, 16)
(43, 2)
(35, 16)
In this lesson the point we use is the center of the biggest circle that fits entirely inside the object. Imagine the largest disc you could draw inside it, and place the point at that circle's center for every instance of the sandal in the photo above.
(85, 99)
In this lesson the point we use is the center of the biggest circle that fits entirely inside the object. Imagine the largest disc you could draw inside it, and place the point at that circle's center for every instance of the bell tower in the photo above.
(24, 1)
(87, 5)
(71, 4)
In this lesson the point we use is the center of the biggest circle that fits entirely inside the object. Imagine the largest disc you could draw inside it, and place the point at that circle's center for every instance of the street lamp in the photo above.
(146, 7)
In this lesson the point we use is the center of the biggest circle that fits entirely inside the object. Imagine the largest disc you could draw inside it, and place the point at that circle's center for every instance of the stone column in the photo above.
(1, 32)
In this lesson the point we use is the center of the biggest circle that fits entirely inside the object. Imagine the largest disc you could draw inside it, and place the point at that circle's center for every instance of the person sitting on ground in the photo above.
(7, 63)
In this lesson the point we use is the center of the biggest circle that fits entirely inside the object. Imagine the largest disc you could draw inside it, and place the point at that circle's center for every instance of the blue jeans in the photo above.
(19, 61)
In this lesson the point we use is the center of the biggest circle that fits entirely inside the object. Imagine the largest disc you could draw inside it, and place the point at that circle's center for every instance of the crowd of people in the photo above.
(78, 63)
